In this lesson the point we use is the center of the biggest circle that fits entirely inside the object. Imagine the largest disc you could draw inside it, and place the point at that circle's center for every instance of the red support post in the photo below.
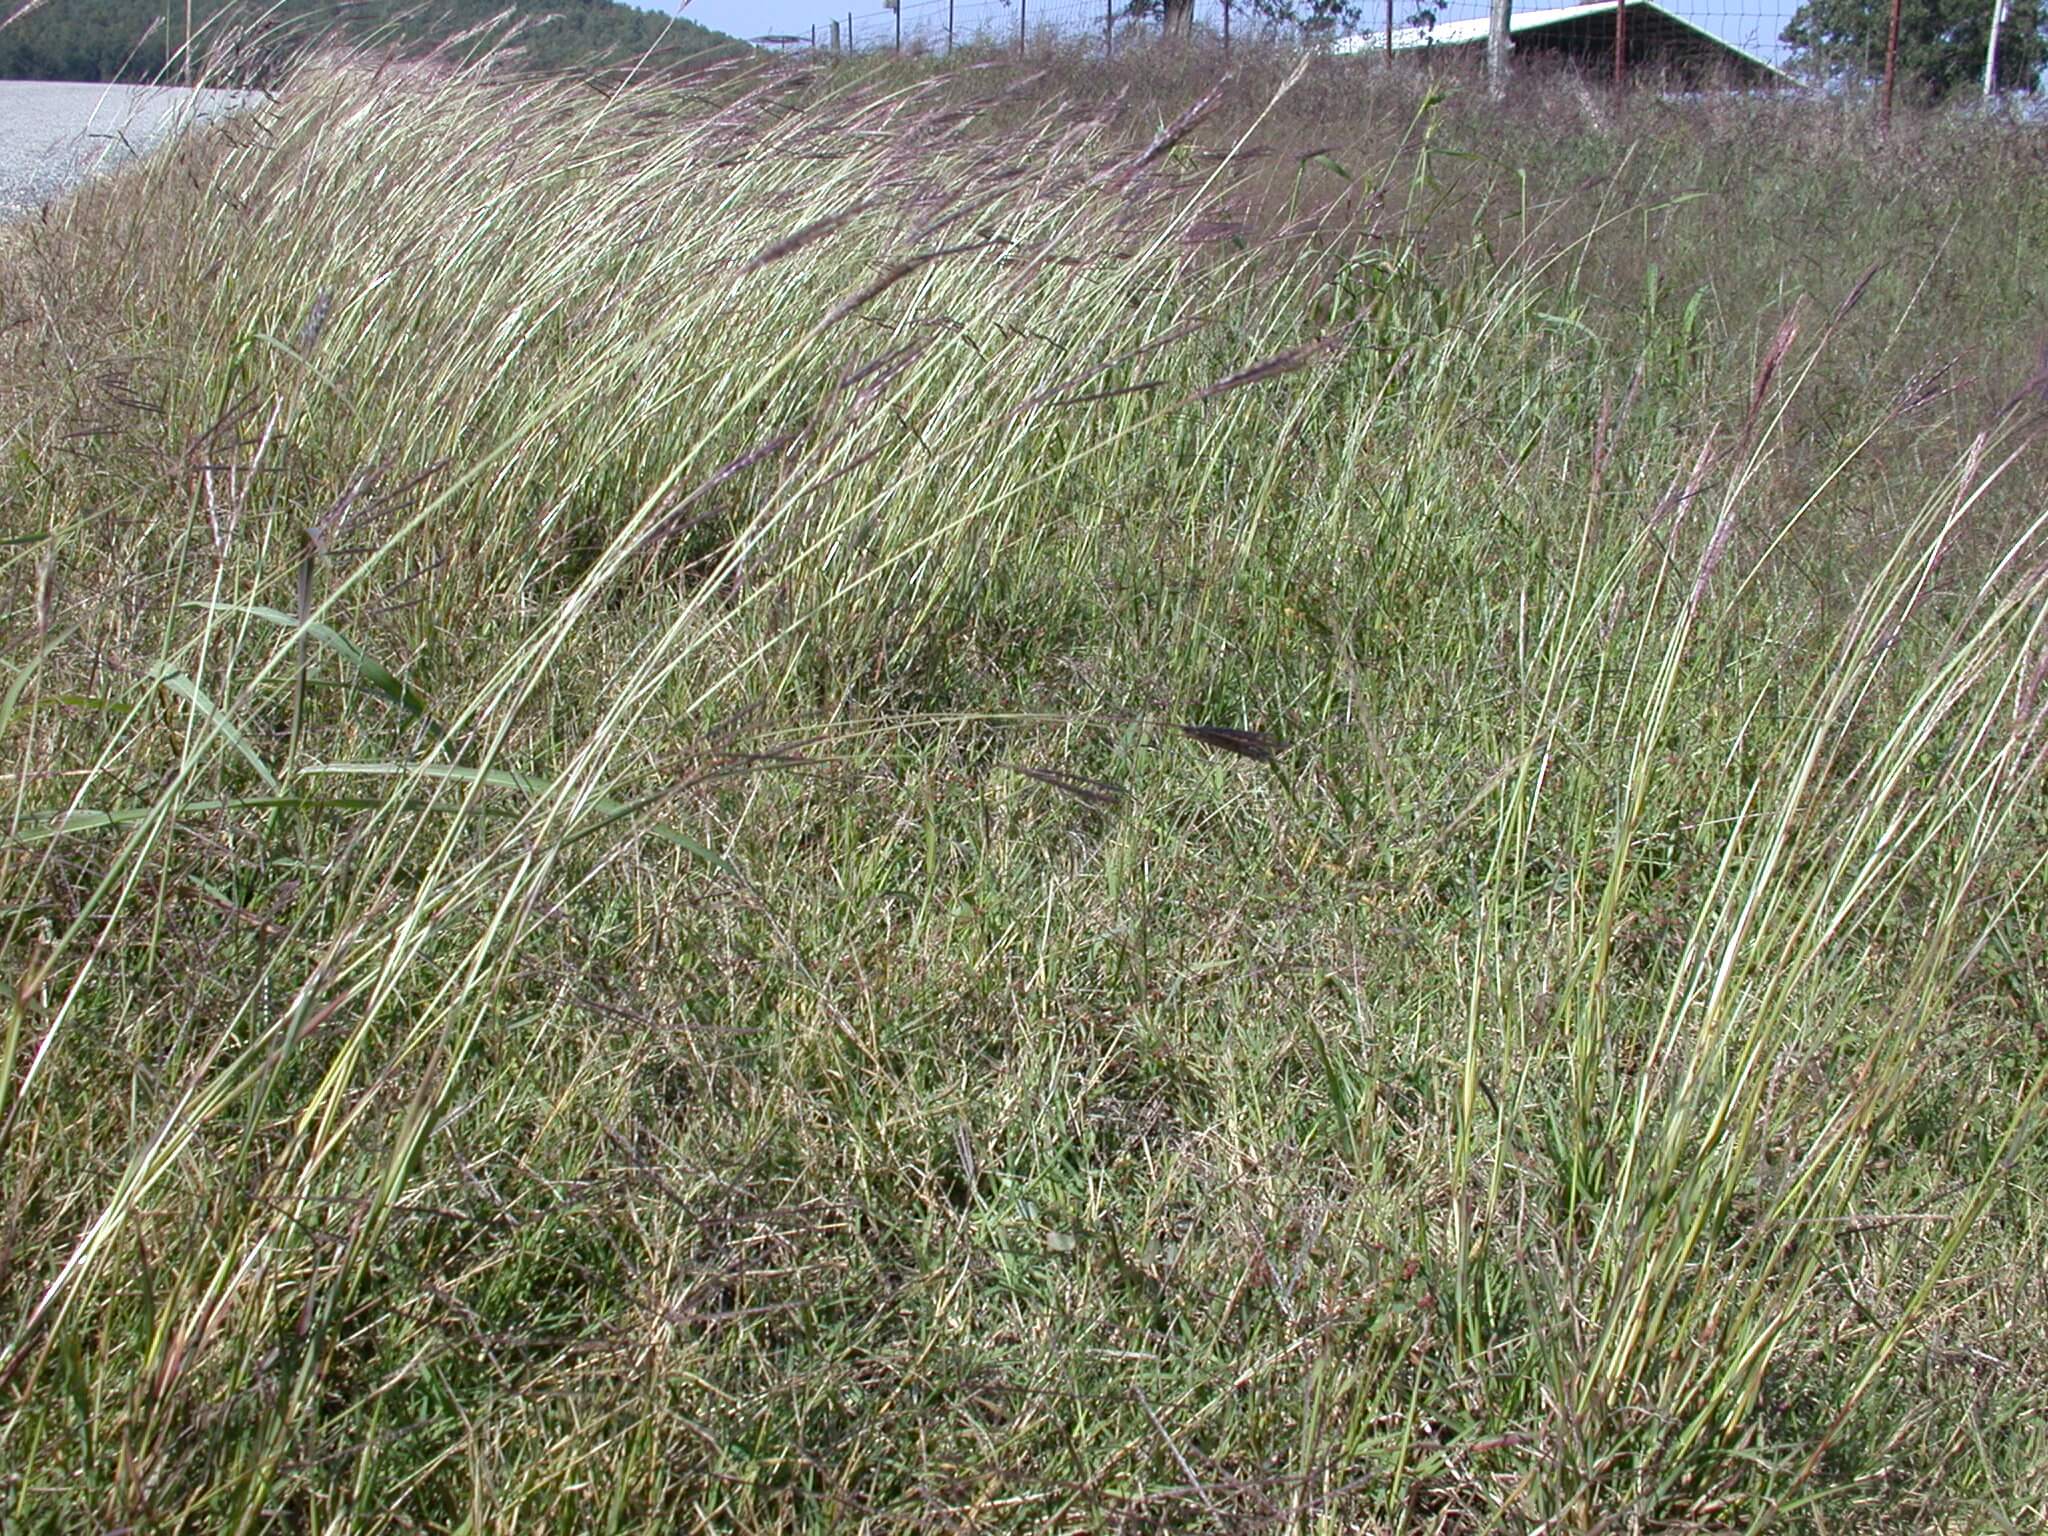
(1891, 71)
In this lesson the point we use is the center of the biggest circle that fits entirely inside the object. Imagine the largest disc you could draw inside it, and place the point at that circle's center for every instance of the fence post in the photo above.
(1226, 27)
(1390, 34)
(1620, 44)
(849, 31)
(949, 28)
(1891, 70)
(1020, 26)
(1500, 14)
(898, 9)
(1109, 31)
(1998, 10)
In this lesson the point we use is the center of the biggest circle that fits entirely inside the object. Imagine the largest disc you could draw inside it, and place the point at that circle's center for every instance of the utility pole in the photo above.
(1497, 46)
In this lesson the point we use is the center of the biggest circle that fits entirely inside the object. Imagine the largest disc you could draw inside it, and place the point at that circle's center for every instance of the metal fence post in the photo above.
(1020, 25)
(1109, 31)
(1390, 34)
(1226, 26)
(1998, 10)
(898, 9)
(949, 28)
(1891, 70)
(1620, 44)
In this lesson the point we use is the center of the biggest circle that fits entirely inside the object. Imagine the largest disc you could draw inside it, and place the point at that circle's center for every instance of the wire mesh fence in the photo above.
(1428, 29)
(1683, 45)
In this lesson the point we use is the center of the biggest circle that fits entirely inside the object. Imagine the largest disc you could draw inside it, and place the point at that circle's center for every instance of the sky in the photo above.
(753, 18)
(1751, 23)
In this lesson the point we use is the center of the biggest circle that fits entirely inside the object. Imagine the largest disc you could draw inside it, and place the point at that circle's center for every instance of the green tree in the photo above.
(138, 40)
(1942, 43)
(1179, 15)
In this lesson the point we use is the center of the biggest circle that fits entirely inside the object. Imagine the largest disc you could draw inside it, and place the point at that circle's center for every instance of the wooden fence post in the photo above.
(1497, 45)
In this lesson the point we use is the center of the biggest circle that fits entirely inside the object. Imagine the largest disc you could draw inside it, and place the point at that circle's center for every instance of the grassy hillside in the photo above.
(138, 40)
(873, 800)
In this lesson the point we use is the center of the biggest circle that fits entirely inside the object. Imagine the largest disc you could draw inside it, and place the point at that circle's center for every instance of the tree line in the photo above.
(1944, 45)
(141, 40)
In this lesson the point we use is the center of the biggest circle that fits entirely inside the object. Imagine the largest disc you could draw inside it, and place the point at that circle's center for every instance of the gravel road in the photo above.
(54, 134)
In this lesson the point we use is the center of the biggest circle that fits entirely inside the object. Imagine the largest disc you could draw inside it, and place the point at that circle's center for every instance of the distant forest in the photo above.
(136, 40)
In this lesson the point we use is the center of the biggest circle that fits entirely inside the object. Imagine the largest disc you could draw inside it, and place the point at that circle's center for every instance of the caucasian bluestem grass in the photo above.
(895, 794)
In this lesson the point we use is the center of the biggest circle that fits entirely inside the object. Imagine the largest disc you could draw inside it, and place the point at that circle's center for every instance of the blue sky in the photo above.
(1749, 22)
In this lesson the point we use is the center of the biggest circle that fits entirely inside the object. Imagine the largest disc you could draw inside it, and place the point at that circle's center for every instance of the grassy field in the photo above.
(1027, 798)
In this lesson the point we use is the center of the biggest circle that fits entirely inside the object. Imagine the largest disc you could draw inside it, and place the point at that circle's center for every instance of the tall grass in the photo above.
(809, 800)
